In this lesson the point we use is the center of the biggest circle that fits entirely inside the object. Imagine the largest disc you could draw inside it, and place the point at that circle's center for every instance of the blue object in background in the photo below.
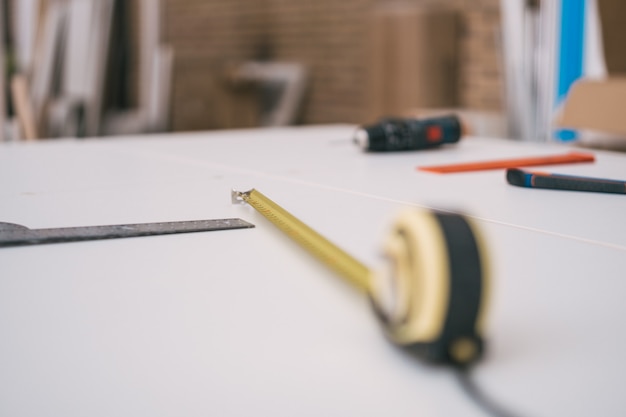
(571, 54)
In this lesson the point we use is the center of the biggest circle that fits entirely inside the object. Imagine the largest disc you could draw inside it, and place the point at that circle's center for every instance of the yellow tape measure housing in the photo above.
(440, 281)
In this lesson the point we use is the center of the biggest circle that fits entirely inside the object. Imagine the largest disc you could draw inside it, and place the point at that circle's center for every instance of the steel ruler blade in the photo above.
(18, 235)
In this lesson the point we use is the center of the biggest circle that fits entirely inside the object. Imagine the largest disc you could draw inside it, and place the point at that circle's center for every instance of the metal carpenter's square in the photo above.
(17, 235)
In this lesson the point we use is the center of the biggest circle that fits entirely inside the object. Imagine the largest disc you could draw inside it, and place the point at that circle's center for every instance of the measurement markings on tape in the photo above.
(334, 257)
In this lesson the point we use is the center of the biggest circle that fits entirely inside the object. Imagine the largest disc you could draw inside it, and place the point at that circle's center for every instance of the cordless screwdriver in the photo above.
(395, 134)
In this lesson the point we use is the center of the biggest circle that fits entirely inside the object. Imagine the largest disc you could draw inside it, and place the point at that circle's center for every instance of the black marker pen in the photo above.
(409, 134)
(529, 179)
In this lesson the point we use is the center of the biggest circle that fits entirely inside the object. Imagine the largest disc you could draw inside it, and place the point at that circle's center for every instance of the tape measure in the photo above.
(431, 295)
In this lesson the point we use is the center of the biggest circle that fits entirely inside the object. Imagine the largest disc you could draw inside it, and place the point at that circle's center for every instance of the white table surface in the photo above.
(243, 322)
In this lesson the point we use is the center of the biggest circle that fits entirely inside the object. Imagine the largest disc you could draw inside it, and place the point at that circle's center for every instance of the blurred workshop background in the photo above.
(81, 68)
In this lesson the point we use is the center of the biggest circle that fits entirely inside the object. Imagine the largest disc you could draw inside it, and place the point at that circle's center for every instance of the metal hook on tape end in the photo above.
(237, 197)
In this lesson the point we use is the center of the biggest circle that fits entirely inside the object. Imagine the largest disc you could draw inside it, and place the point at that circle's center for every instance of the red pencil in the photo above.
(568, 158)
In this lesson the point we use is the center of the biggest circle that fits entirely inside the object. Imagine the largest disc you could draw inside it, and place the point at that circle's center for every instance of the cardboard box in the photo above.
(596, 107)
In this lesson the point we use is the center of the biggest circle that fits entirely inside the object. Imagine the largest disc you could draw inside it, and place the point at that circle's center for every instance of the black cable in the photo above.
(477, 395)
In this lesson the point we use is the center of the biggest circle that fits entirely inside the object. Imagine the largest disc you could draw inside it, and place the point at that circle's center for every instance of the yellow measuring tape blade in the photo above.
(334, 257)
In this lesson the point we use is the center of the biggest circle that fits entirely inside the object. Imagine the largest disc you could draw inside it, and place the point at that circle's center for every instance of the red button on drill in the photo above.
(433, 133)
